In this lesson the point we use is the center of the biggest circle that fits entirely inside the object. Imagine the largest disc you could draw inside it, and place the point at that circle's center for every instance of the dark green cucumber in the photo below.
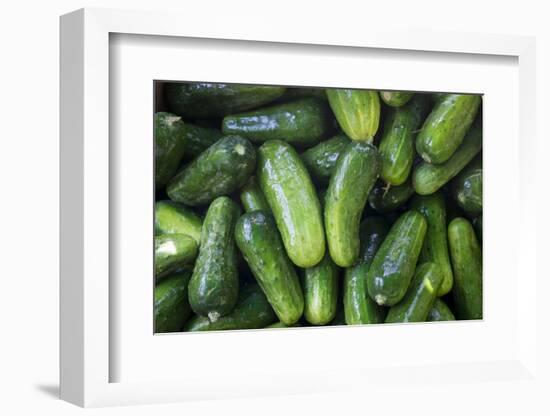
(467, 269)
(174, 218)
(478, 226)
(283, 325)
(440, 312)
(428, 178)
(171, 304)
(197, 139)
(172, 252)
(419, 299)
(359, 308)
(252, 197)
(214, 286)
(357, 112)
(396, 98)
(252, 311)
(445, 128)
(220, 170)
(302, 122)
(467, 188)
(435, 247)
(394, 264)
(259, 242)
(206, 100)
(354, 176)
(321, 159)
(385, 198)
(292, 93)
(320, 284)
(291, 196)
(397, 143)
(169, 146)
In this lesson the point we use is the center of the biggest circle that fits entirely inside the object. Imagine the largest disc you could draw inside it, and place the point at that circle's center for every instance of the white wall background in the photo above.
(29, 115)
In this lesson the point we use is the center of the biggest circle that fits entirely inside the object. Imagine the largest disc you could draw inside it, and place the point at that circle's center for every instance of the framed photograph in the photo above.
(277, 212)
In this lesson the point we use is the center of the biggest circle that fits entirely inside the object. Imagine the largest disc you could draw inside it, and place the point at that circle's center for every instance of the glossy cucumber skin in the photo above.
(359, 308)
(172, 252)
(444, 129)
(206, 100)
(259, 242)
(397, 143)
(214, 285)
(220, 170)
(290, 193)
(252, 197)
(419, 299)
(467, 269)
(440, 312)
(428, 178)
(321, 159)
(357, 112)
(303, 122)
(467, 188)
(396, 98)
(394, 264)
(385, 199)
(197, 139)
(171, 304)
(169, 146)
(354, 176)
(435, 248)
(174, 218)
(252, 311)
(320, 285)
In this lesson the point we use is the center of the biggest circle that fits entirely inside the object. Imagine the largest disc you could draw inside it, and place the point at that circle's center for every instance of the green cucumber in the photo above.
(435, 247)
(169, 146)
(467, 269)
(172, 252)
(197, 139)
(292, 93)
(359, 308)
(478, 226)
(396, 98)
(207, 100)
(321, 159)
(320, 284)
(340, 318)
(445, 128)
(420, 296)
(357, 112)
(302, 122)
(467, 188)
(214, 286)
(259, 242)
(354, 176)
(174, 218)
(394, 264)
(440, 312)
(171, 304)
(220, 170)
(283, 325)
(384, 198)
(291, 196)
(252, 197)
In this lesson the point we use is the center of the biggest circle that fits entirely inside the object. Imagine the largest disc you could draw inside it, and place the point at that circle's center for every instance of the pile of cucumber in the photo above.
(280, 207)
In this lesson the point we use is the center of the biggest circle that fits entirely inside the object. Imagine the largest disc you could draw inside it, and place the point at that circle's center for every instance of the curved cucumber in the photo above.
(291, 196)
(385, 198)
(321, 159)
(320, 285)
(171, 304)
(394, 264)
(354, 176)
(467, 188)
(440, 312)
(172, 252)
(197, 139)
(169, 146)
(396, 98)
(252, 197)
(257, 238)
(174, 218)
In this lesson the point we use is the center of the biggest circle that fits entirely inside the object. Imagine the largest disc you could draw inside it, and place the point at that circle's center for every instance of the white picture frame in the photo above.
(87, 220)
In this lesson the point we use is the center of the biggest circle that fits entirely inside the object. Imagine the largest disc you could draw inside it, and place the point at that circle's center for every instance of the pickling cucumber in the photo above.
(396, 98)
(467, 188)
(172, 252)
(384, 198)
(169, 146)
(197, 139)
(252, 197)
(171, 304)
(321, 159)
(320, 285)
(174, 218)
(440, 312)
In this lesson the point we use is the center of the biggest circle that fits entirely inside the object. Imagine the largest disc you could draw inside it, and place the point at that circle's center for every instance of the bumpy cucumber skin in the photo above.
(220, 170)
(396, 98)
(171, 304)
(357, 112)
(394, 263)
(197, 139)
(169, 146)
(383, 199)
(440, 312)
(302, 122)
(444, 129)
(428, 178)
(172, 252)
(420, 296)
(174, 218)
(435, 248)
(354, 176)
(214, 285)
(359, 308)
(206, 100)
(320, 160)
(397, 143)
(290, 193)
(252, 197)
(259, 242)
(467, 269)
(467, 188)
(252, 311)
(320, 285)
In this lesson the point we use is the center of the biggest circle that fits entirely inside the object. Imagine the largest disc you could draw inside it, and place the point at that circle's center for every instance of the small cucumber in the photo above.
(354, 176)
(214, 285)
(174, 218)
(291, 196)
(321, 159)
(320, 284)
(169, 146)
(171, 304)
(384, 198)
(357, 112)
(467, 188)
(420, 296)
(467, 269)
(252, 197)
(444, 129)
(172, 252)
(440, 312)
(197, 139)
(396, 98)
(394, 264)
